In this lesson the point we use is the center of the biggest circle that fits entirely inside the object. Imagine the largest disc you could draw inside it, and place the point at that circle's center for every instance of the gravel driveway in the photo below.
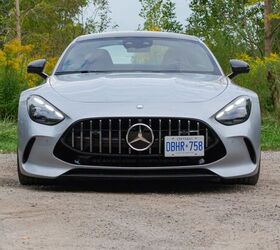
(141, 215)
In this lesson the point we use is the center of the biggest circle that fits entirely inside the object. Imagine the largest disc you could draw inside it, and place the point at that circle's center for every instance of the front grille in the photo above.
(103, 142)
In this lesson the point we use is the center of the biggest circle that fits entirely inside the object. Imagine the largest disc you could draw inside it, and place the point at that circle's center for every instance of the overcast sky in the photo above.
(125, 13)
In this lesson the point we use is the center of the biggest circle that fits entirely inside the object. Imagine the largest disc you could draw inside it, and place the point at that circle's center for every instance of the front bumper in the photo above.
(43, 164)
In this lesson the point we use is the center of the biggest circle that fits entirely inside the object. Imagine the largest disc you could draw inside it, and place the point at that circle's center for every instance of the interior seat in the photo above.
(98, 60)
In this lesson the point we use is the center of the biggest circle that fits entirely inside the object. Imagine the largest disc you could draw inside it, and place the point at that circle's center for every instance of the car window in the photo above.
(146, 54)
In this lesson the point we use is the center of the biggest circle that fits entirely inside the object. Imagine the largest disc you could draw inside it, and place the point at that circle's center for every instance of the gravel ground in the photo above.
(141, 215)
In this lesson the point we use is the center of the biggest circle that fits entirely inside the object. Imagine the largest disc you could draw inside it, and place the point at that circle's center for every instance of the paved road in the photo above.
(141, 215)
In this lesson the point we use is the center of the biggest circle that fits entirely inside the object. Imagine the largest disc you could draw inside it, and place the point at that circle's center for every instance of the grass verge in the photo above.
(270, 138)
(8, 136)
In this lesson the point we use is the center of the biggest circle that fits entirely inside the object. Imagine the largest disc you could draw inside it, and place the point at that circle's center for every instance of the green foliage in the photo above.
(230, 24)
(160, 15)
(9, 94)
(54, 24)
(8, 135)
(235, 29)
(274, 18)
(264, 79)
(102, 10)
(12, 77)
(240, 23)
(276, 26)
(5, 8)
(50, 25)
(270, 135)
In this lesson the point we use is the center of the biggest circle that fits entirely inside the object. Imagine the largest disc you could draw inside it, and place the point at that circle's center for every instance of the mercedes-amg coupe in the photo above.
(138, 105)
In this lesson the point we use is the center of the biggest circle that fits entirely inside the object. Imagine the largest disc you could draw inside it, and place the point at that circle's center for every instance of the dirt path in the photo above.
(141, 215)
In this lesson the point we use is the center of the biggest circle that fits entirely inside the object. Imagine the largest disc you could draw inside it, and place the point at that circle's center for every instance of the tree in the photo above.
(50, 25)
(6, 7)
(271, 24)
(160, 15)
(100, 19)
(267, 27)
(18, 23)
(231, 24)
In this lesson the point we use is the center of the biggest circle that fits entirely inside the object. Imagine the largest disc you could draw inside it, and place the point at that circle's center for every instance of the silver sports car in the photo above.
(138, 105)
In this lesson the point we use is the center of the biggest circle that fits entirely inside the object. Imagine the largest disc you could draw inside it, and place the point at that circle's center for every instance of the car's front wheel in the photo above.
(27, 180)
(251, 180)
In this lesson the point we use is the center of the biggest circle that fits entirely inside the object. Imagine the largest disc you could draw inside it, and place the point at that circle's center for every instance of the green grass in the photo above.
(270, 138)
(270, 135)
(8, 136)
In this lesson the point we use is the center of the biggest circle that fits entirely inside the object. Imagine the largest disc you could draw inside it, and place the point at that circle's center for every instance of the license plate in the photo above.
(182, 146)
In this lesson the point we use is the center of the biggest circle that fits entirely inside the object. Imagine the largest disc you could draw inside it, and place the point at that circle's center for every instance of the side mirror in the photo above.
(37, 67)
(238, 67)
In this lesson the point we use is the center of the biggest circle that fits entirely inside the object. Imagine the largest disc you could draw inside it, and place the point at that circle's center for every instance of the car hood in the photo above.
(138, 87)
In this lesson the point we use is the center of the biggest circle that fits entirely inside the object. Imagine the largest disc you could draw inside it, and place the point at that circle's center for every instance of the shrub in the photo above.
(264, 79)
(13, 76)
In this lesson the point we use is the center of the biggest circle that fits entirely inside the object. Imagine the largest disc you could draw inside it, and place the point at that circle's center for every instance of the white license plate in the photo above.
(181, 146)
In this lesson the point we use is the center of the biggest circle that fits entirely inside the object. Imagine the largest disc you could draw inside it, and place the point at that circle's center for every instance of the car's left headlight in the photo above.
(236, 112)
(41, 111)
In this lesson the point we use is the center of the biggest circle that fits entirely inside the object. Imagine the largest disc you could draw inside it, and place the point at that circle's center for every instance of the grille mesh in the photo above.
(108, 136)
(102, 142)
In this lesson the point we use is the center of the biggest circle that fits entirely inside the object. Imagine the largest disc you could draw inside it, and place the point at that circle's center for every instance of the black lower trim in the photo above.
(72, 157)
(142, 174)
(68, 155)
(28, 150)
(250, 150)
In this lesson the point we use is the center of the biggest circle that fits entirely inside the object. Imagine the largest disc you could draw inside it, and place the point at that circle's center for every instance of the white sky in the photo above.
(125, 13)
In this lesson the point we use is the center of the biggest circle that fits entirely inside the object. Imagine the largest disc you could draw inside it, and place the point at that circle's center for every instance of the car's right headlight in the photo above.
(41, 111)
(236, 112)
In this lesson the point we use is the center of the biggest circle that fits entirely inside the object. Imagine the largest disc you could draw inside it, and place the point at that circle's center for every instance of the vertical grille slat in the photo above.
(82, 137)
(129, 125)
(100, 136)
(169, 127)
(206, 138)
(73, 138)
(110, 136)
(120, 136)
(159, 136)
(150, 125)
(90, 136)
(106, 136)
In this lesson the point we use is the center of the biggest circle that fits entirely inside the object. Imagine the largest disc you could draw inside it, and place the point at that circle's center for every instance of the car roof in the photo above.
(136, 34)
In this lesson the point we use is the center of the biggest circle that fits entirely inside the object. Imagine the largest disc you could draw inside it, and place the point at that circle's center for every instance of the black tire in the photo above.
(252, 180)
(27, 180)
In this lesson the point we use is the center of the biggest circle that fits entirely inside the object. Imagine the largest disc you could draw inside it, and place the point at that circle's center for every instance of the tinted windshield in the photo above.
(133, 54)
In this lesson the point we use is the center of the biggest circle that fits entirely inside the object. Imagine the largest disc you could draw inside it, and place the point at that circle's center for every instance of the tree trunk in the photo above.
(267, 27)
(18, 24)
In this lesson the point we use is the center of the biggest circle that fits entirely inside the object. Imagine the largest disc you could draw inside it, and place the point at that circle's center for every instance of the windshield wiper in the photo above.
(80, 72)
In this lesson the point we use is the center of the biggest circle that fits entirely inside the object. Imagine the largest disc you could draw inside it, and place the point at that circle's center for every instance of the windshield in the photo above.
(138, 54)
